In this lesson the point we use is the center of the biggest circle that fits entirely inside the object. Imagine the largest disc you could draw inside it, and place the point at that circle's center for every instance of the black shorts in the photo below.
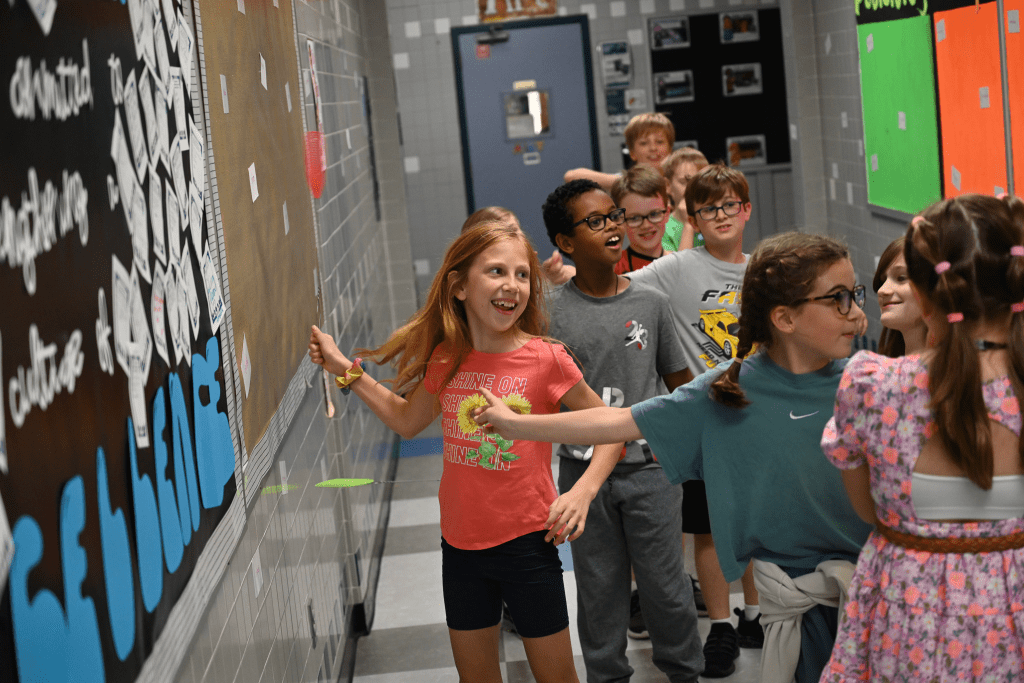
(525, 572)
(695, 508)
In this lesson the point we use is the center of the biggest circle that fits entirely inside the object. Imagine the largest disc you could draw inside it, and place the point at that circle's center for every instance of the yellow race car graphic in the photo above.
(723, 328)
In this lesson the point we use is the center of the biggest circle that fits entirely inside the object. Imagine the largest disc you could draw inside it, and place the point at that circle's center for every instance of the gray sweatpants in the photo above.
(635, 520)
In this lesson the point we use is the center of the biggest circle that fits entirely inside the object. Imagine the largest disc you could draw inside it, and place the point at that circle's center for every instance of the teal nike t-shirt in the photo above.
(772, 494)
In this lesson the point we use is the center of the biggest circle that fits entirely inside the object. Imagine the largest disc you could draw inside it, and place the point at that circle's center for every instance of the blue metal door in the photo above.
(526, 105)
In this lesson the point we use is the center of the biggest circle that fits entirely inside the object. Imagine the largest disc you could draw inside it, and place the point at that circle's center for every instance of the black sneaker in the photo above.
(698, 599)
(637, 628)
(720, 651)
(506, 620)
(749, 631)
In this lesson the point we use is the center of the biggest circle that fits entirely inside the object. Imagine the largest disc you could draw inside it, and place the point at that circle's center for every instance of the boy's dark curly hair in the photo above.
(557, 216)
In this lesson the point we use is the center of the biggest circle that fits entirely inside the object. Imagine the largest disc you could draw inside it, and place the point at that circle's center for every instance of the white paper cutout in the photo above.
(156, 215)
(157, 307)
(171, 308)
(43, 11)
(246, 366)
(170, 22)
(211, 285)
(137, 399)
(197, 158)
(263, 71)
(134, 120)
(121, 292)
(149, 114)
(142, 338)
(284, 207)
(252, 182)
(173, 222)
(191, 293)
(224, 93)
(195, 217)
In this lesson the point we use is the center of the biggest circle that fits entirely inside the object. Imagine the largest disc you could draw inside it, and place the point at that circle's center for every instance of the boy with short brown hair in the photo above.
(705, 283)
(678, 168)
(643, 193)
(649, 138)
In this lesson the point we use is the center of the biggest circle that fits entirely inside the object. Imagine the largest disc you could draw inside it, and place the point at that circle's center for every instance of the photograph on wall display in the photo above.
(616, 65)
(741, 79)
(670, 34)
(739, 27)
(673, 86)
(746, 150)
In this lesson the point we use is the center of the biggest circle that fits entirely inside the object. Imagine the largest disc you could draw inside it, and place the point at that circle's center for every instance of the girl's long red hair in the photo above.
(442, 320)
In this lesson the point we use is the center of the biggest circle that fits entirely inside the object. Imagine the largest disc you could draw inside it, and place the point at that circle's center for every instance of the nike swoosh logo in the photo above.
(800, 417)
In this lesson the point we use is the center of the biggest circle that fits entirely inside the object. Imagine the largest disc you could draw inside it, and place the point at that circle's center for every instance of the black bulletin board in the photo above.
(712, 117)
(109, 518)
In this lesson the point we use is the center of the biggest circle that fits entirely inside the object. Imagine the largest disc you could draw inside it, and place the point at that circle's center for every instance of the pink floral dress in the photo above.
(917, 616)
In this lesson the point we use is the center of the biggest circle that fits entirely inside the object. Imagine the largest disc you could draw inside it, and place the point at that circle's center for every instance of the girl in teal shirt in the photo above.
(752, 429)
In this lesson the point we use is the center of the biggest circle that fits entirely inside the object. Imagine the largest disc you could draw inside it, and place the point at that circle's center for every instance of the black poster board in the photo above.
(702, 110)
(107, 529)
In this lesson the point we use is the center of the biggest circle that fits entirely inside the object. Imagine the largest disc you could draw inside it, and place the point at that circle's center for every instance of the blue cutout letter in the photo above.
(117, 562)
(48, 646)
(215, 453)
(170, 523)
(188, 487)
(147, 530)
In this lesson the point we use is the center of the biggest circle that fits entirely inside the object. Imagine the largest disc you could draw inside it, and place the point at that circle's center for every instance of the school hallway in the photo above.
(408, 641)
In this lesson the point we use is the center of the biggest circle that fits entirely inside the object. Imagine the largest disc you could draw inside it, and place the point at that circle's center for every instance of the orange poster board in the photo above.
(1015, 71)
(970, 100)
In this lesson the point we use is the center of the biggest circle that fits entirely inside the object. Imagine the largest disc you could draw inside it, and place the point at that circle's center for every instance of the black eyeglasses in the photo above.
(598, 222)
(709, 213)
(843, 299)
(655, 217)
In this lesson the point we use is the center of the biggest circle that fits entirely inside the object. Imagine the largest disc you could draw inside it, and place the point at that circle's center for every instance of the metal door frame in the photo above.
(581, 19)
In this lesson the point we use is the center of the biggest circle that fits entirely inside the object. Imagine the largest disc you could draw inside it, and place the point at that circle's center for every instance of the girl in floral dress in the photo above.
(929, 447)
(482, 326)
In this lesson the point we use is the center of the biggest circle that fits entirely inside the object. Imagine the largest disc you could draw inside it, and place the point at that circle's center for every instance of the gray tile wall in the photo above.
(311, 547)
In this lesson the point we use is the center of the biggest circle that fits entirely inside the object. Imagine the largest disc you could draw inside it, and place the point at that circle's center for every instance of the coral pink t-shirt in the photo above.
(494, 490)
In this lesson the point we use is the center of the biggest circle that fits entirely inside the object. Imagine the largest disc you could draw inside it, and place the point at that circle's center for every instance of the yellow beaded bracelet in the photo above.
(351, 375)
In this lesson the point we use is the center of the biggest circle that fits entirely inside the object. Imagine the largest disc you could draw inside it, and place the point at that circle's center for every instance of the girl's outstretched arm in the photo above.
(591, 426)
(405, 415)
(567, 515)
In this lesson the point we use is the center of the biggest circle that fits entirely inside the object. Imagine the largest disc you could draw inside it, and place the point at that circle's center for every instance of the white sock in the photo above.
(721, 621)
(750, 612)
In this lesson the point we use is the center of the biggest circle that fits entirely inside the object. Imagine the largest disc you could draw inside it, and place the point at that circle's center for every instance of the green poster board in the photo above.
(901, 140)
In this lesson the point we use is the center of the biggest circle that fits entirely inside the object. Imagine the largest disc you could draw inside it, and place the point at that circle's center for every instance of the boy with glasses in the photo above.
(643, 193)
(623, 337)
(704, 285)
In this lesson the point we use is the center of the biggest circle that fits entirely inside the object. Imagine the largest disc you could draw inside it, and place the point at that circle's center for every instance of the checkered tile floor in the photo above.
(409, 643)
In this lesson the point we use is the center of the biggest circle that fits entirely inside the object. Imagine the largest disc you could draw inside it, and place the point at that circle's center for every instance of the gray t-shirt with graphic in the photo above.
(623, 344)
(704, 296)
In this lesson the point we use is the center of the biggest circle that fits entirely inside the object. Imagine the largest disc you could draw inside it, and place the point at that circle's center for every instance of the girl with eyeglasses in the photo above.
(642, 192)
(751, 430)
(930, 451)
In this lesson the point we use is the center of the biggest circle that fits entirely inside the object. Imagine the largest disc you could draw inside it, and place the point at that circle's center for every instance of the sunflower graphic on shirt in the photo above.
(493, 448)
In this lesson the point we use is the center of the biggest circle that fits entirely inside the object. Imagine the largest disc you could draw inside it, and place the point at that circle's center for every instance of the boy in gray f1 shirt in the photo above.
(622, 335)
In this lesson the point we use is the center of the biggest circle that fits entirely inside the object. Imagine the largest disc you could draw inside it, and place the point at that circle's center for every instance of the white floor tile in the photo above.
(409, 591)
(415, 512)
